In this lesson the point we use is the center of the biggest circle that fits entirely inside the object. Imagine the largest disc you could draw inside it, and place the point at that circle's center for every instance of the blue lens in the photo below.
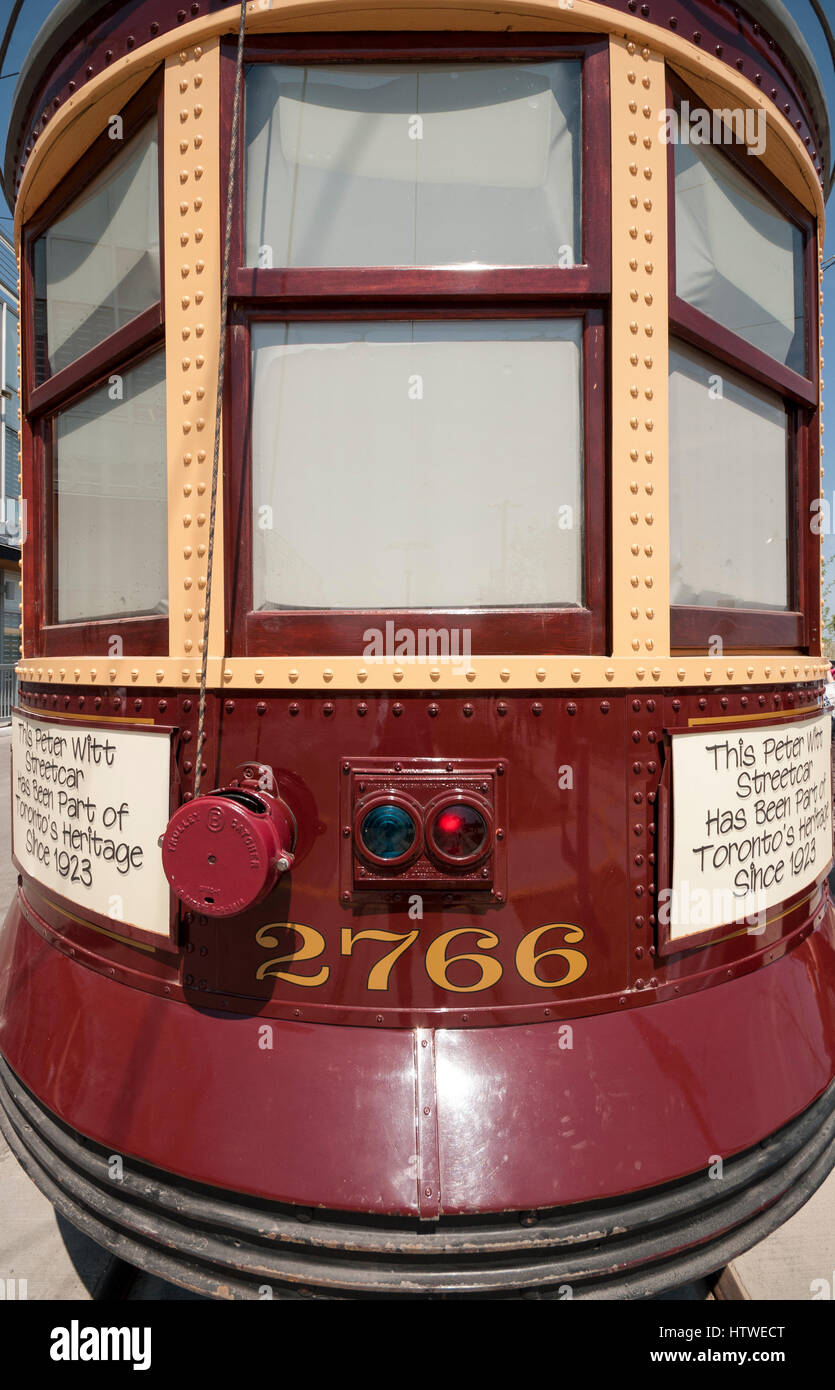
(388, 832)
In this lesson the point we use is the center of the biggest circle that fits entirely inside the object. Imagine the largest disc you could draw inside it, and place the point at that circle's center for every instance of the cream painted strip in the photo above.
(192, 326)
(640, 500)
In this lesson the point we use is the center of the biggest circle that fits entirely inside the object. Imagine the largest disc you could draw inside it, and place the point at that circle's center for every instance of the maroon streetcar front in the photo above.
(421, 788)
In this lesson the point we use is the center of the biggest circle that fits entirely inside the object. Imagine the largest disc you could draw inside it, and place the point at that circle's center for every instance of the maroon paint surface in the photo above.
(328, 1115)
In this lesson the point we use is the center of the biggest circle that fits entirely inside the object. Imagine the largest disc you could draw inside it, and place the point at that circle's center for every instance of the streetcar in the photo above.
(421, 791)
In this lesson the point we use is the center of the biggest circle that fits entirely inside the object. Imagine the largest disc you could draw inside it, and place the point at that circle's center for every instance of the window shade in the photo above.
(413, 165)
(417, 465)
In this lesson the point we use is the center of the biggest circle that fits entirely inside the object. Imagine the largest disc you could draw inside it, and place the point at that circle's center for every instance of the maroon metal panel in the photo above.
(291, 1111)
(638, 1098)
(328, 1115)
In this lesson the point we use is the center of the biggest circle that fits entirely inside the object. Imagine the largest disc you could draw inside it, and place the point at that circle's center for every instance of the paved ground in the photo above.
(57, 1262)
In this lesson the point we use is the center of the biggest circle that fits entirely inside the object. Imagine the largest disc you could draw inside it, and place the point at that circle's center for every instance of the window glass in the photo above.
(738, 259)
(110, 511)
(405, 164)
(417, 465)
(10, 651)
(98, 265)
(729, 522)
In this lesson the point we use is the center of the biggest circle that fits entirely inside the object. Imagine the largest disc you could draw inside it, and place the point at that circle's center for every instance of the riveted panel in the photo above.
(640, 504)
(640, 609)
(192, 326)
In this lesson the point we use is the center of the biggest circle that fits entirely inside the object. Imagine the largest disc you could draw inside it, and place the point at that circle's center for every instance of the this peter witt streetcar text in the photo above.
(88, 807)
(753, 820)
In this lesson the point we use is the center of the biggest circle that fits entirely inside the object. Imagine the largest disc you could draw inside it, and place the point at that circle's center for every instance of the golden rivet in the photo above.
(649, 644)
(187, 614)
(504, 675)
(634, 612)
(575, 674)
(398, 674)
(634, 581)
(708, 673)
(610, 675)
(112, 675)
(327, 675)
(293, 676)
(362, 675)
(160, 675)
(541, 673)
(187, 552)
(636, 549)
(259, 676)
(649, 581)
(434, 674)
(187, 519)
(636, 645)
(681, 673)
(134, 675)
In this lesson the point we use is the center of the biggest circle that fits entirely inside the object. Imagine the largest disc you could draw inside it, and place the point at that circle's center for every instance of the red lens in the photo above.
(459, 831)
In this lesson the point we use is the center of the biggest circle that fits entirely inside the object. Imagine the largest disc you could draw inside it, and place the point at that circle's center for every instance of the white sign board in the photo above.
(88, 807)
(752, 822)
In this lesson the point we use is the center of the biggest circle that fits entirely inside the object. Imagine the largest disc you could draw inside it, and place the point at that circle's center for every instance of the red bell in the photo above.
(223, 853)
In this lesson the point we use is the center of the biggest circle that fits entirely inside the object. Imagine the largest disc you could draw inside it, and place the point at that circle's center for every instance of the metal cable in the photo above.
(221, 371)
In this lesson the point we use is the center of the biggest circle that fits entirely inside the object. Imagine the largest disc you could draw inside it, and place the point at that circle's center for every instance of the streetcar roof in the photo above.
(64, 22)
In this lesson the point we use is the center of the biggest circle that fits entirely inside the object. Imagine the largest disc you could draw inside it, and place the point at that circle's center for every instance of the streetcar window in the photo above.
(98, 264)
(729, 520)
(109, 541)
(417, 465)
(738, 259)
(405, 164)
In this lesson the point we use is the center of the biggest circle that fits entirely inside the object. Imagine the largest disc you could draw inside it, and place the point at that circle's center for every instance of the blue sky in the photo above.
(35, 12)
